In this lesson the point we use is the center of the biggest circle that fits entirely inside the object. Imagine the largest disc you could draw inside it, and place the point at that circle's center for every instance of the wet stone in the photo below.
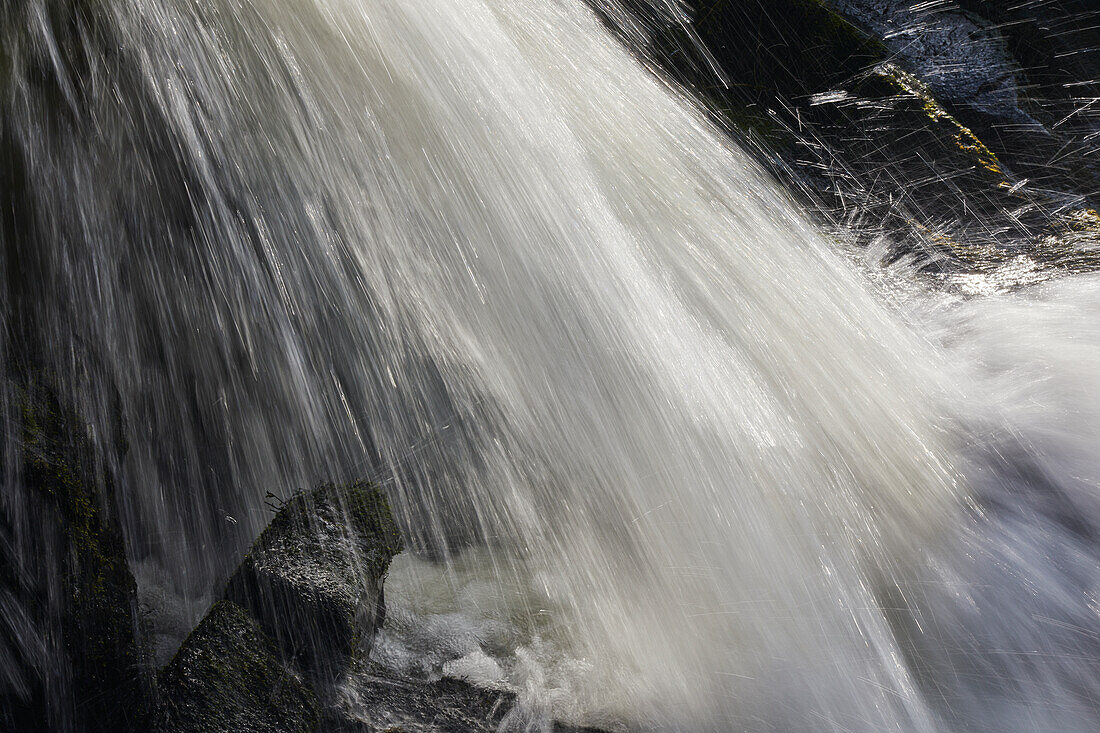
(313, 579)
(227, 677)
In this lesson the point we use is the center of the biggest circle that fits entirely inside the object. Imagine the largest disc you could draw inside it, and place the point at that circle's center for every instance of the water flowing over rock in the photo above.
(314, 578)
(725, 366)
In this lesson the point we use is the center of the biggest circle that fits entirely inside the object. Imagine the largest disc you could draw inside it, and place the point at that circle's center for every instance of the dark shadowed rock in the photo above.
(70, 657)
(228, 678)
(764, 47)
(892, 131)
(314, 577)
(1021, 75)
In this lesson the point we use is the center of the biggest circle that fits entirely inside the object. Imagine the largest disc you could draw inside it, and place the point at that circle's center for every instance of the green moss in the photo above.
(56, 464)
(96, 607)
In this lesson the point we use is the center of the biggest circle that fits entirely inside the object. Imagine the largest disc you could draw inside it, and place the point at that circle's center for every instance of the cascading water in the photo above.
(679, 464)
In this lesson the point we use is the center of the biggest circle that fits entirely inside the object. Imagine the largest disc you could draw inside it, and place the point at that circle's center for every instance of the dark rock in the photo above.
(1056, 49)
(314, 577)
(790, 48)
(228, 678)
(851, 124)
(764, 47)
(912, 165)
(383, 702)
(1056, 45)
(68, 643)
(1021, 75)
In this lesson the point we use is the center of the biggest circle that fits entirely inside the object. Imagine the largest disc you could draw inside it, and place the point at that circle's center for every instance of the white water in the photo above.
(702, 466)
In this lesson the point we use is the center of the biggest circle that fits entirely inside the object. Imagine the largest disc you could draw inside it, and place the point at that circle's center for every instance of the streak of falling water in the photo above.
(474, 249)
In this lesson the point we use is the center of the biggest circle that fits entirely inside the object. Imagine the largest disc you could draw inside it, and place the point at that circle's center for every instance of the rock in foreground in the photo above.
(227, 677)
(381, 701)
(313, 579)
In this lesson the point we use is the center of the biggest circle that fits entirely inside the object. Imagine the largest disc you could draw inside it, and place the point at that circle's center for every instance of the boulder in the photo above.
(228, 677)
(381, 702)
(313, 579)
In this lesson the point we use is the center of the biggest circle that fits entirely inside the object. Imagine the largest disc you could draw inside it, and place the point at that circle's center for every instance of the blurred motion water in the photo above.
(667, 458)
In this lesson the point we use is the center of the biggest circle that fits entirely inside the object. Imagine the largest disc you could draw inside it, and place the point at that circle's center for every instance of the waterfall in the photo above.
(704, 472)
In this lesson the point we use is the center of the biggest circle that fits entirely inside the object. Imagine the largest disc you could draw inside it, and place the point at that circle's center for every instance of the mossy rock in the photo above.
(314, 577)
(913, 167)
(80, 593)
(1055, 47)
(851, 132)
(907, 95)
(228, 678)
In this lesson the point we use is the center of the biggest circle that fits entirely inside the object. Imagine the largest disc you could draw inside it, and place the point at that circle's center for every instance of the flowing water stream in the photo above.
(669, 457)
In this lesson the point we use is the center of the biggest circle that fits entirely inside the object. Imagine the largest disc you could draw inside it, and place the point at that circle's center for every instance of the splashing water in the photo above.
(674, 462)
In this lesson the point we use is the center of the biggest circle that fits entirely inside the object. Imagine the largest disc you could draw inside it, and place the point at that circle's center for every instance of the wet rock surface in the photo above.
(313, 579)
(68, 641)
(289, 650)
(1022, 75)
(303, 604)
(961, 129)
(920, 123)
(381, 701)
(228, 677)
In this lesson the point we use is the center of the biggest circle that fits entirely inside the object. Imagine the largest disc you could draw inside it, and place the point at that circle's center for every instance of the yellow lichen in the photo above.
(963, 136)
